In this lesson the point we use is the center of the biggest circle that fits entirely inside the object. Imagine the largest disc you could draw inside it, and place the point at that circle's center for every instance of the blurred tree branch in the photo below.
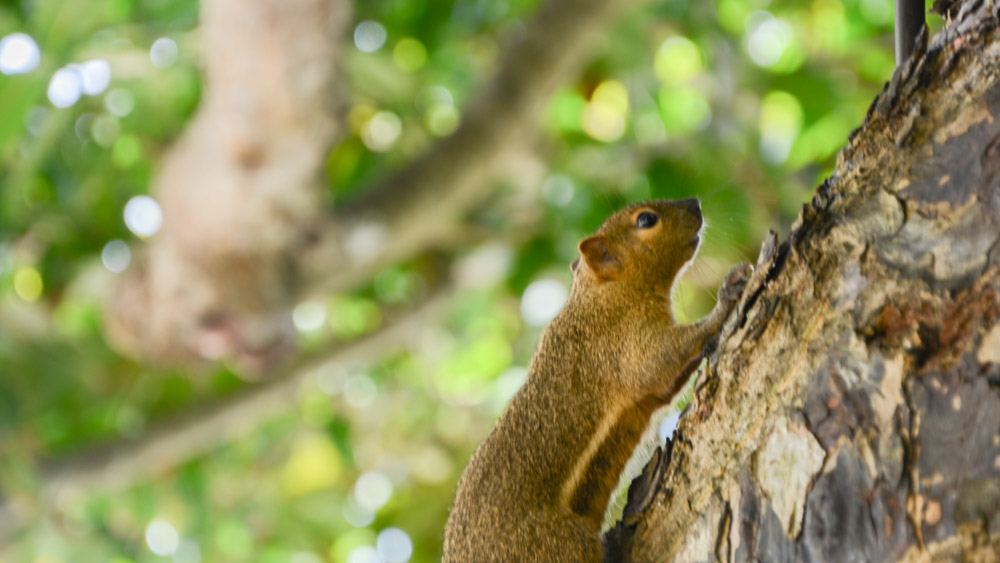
(239, 189)
(173, 441)
(244, 235)
(420, 205)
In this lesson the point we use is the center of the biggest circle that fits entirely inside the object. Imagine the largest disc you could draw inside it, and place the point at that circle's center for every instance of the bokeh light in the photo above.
(677, 60)
(381, 131)
(350, 541)
(372, 490)
(116, 256)
(309, 316)
(119, 102)
(65, 87)
(19, 54)
(441, 120)
(604, 116)
(163, 52)
(542, 301)
(780, 120)
(28, 283)
(360, 390)
(409, 54)
(683, 109)
(484, 267)
(95, 76)
(365, 240)
(369, 36)
(394, 545)
(162, 538)
(355, 514)
(313, 465)
(558, 190)
(143, 216)
(126, 151)
(351, 317)
(441, 117)
(767, 39)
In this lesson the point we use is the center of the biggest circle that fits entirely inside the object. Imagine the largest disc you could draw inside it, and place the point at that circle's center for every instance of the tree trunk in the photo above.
(852, 408)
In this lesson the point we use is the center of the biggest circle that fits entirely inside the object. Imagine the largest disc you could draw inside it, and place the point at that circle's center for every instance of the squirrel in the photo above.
(537, 487)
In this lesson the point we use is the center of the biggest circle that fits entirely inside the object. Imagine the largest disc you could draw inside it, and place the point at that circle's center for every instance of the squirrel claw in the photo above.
(735, 282)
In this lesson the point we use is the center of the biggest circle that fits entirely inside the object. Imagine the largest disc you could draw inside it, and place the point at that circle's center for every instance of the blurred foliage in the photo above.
(743, 103)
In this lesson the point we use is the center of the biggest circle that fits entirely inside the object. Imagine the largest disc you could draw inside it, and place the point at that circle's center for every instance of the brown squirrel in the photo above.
(537, 488)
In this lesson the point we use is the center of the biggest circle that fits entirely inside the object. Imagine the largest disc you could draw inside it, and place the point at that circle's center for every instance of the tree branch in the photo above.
(413, 204)
(171, 442)
(241, 230)
(415, 207)
(239, 189)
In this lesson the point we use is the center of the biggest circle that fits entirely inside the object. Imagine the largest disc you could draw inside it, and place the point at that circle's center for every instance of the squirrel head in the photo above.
(647, 243)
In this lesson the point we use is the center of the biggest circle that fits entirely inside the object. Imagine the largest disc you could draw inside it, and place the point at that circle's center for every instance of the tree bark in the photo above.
(851, 411)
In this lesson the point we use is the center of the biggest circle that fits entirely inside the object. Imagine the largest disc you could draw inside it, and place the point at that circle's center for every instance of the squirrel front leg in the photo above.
(685, 345)
(729, 294)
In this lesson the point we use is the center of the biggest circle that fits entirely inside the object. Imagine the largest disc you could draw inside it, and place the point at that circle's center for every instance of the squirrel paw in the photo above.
(732, 286)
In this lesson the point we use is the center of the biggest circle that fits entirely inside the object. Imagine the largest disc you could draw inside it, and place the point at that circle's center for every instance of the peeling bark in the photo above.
(872, 338)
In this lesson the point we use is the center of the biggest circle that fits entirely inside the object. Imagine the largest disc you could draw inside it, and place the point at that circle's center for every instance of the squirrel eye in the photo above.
(646, 220)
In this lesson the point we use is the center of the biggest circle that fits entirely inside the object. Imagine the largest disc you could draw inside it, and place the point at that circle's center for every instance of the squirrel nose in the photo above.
(691, 205)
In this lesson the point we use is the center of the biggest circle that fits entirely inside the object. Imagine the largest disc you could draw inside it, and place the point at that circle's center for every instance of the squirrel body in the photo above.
(537, 487)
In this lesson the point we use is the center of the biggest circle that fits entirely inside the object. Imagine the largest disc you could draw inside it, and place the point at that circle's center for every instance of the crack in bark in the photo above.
(722, 547)
(903, 209)
(911, 448)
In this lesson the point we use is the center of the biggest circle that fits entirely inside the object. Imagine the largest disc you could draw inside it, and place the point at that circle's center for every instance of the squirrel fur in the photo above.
(537, 487)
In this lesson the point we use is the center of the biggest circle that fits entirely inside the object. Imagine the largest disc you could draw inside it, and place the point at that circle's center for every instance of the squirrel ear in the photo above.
(601, 258)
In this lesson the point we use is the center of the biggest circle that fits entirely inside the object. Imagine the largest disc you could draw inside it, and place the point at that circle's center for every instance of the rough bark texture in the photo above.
(852, 409)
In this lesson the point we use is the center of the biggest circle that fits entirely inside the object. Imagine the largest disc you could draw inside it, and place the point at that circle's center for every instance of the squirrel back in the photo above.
(537, 487)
